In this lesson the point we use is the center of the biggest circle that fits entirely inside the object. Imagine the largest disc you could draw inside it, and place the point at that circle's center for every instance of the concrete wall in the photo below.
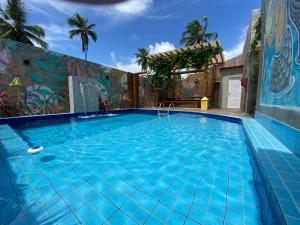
(251, 65)
(83, 94)
(279, 86)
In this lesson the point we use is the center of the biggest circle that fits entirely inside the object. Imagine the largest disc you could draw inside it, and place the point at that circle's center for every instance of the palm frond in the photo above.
(16, 11)
(92, 34)
(36, 30)
(36, 39)
(73, 33)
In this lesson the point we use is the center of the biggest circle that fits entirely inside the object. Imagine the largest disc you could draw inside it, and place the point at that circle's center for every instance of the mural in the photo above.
(281, 54)
(191, 86)
(146, 93)
(43, 80)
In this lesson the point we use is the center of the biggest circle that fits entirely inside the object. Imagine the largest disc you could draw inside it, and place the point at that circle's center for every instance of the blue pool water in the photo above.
(130, 169)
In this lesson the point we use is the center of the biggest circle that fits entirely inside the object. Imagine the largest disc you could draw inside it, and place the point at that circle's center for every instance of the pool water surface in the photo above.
(131, 169)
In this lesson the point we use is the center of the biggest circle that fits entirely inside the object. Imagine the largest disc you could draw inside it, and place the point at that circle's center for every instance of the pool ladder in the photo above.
(162, 105)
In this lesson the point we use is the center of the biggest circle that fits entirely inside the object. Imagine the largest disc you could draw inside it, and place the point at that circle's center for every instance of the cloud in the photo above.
(161, 47)
(113, 57)
(238, 48)
(57, 37)
(132, 66)
(133, 7)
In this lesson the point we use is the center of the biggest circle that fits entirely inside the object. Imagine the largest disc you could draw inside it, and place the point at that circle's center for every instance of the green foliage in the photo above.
(142, 58)
(196, 33)
(257, 37)
(13, 25)
(255, 68)
(161, 70)
(161, 66)
(82, 29)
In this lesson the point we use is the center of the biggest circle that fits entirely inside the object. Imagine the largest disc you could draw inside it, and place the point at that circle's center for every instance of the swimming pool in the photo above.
(131, 169)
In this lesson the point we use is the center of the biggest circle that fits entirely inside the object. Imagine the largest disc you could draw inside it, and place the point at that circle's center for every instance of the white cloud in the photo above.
(133, 7)
(57, 37)
(238, 48)
(132, 66)
(161, 47)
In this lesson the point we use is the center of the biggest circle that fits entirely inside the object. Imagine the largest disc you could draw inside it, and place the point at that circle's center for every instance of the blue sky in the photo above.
(124, 28)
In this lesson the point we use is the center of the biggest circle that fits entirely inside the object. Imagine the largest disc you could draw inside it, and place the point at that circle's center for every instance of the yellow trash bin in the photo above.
(204, 103)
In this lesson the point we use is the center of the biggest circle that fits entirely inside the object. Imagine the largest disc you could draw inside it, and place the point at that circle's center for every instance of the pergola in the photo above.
(211, 64)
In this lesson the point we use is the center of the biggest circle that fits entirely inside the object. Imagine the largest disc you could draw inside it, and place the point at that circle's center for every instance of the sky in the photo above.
(153, 24)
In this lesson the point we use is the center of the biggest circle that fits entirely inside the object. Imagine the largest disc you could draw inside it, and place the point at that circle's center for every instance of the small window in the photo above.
(26, 62)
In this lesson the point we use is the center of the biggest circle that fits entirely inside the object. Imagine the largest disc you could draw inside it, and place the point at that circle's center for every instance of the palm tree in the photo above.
(13, 25)
(196, 33)
(83, 29)
(142, 58)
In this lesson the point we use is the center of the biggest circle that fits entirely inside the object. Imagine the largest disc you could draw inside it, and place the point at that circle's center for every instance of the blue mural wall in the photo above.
(280, 85)
(278, 108)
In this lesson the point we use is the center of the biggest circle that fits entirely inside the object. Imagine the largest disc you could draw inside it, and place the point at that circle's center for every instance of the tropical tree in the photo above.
(142, 58)
(13, 25)
(82, 29)
(196, 33)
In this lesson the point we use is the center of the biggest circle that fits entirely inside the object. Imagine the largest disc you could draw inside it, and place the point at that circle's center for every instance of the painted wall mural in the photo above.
(190, 87)
(280, 84)
(43, 83)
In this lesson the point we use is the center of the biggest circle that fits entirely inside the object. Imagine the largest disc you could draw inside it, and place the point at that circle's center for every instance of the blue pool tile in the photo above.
(115, 197)
(191, 222)
(175, 218)
(93, 220)
(98, 202)
(292, 220)
(140, 215)
(107, 211)
(130, 206)
(210, 219)
(21, 220)
(70, 220)
(234, 217)
(69, 199)
(216, 211)
(120, 218)
(162, 212)
(85, 213)
(153, 221)
(289, 208)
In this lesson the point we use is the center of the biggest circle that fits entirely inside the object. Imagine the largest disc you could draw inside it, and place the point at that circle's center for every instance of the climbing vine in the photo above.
(161, 66)
(256, 38)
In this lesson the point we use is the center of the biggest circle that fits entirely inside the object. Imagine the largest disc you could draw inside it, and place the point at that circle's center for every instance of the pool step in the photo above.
(11, 143)
(279, 168)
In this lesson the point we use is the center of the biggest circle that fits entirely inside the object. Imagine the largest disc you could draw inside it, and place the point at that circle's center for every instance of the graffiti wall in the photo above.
(190, 86)
(34, 81)
(146, 93)
(280, 80)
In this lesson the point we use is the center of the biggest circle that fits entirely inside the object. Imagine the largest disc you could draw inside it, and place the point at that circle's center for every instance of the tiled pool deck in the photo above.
(277, 165)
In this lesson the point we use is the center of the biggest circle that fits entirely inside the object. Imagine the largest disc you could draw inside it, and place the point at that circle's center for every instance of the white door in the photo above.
(234, 93)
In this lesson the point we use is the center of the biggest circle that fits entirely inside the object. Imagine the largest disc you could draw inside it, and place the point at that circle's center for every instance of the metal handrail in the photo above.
(173, 107)
(160, 106)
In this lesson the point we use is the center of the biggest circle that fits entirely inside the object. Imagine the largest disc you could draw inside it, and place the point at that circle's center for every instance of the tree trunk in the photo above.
(85, 54)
